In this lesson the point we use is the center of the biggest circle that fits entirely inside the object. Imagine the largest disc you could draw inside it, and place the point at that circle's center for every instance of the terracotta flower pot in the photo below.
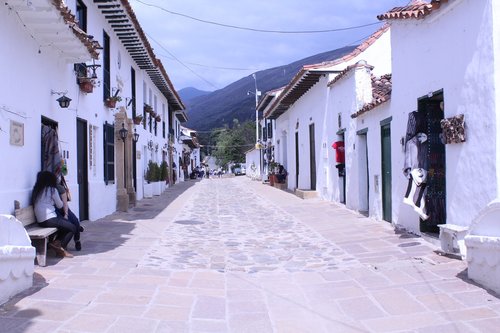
(138, 120)
(86, 86)
(110, 103)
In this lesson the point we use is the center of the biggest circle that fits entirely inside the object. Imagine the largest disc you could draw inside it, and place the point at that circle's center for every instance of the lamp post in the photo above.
(257, 93)
(123, 135)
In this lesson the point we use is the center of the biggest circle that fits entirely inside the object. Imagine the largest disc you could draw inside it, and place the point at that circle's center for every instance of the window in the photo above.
(163, 119)
(106, 67)
(270, 129)
(81, 15)
(133, 89)
(109, 153)
(264, 133)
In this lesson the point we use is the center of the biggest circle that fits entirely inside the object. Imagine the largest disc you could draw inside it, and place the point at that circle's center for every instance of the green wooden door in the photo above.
(386, 173)
(312, 157)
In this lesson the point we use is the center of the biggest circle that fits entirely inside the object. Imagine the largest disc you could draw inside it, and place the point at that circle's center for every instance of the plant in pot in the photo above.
(156, 178)
(110, 102)
(148, 108)
(138, 119)
(163, 174)
(272, 173)
(158, 118)
(148, 177)
(86, 84)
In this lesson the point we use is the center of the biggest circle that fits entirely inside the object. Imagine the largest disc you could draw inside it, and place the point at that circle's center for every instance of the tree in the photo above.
(232, 143)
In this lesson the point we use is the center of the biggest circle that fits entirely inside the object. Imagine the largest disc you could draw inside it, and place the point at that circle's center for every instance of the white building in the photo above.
(445, 64)
(307, 114)
(100, 53)
(450, 50)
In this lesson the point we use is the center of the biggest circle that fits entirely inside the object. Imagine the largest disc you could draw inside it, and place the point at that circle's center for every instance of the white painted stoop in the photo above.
(483, 248)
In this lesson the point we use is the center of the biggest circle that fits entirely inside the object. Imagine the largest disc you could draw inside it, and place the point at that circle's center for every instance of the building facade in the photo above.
(95, 57)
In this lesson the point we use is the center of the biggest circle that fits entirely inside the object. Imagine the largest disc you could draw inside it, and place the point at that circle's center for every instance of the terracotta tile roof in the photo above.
(348, 69)
(151, 64)
(70, 19)
(381, 93)
(417, 9)
(357, 51)
(309, 75)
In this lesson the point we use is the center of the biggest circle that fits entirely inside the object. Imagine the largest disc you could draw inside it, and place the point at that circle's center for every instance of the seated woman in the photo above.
(281, 175)
(46, 199)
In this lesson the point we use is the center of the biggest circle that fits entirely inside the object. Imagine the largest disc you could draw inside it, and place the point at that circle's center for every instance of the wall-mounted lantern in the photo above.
(123, 132)
(136, 135)
(63, 100)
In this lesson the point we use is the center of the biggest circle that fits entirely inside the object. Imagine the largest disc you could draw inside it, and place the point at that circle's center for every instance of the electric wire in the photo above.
(180, 62)
(259, 30)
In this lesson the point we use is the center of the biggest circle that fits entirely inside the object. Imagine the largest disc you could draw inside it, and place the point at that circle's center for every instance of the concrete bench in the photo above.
(39, 236)
(452, 238)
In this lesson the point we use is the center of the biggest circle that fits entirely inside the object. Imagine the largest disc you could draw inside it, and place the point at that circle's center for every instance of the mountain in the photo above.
(215, 109)
(187, 94)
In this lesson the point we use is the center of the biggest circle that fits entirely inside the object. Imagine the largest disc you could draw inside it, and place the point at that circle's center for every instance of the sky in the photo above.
(211, 56)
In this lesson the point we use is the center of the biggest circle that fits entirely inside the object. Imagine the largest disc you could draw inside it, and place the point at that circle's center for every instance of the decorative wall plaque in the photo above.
(16, 133)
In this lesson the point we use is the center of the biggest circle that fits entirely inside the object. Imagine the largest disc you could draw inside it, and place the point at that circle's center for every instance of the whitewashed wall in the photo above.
(31, 72)
(305, 111)
(29, 76)
(345, 97)
(252, 157)
(450, 50)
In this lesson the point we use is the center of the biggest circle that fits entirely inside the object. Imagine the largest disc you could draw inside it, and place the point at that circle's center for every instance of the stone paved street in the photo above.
(234, 255)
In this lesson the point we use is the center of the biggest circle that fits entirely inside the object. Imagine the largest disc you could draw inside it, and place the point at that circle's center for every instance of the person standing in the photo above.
(45, 199)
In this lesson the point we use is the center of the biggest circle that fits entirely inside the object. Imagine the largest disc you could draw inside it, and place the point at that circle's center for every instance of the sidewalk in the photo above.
(234, 255)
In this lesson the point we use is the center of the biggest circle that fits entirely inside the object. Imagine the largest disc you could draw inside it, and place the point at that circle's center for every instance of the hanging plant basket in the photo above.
(86, 85)
(147, 108)
(158, 118)
(138, 120)
(110, 103)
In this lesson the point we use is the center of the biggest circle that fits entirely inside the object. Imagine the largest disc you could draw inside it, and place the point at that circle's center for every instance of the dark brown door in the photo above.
(297, 160)
(82, 170)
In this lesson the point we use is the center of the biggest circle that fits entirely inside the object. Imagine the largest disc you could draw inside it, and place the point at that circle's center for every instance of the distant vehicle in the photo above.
(238, 171)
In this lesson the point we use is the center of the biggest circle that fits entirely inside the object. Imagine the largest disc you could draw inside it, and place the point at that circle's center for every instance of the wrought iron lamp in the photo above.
(136, 135)
(123, 132)
(63, 100)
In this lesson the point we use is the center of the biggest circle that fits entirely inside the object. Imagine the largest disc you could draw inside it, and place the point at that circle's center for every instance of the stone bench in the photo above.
(452, 238)
(483, 248)
(39, 236)
(16, 258)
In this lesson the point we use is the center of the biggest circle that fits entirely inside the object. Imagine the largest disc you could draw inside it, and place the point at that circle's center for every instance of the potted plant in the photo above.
(156, 178)
(138, 119)
(86, 84)
(272, 173)
(149, 179)
(158, 118)
(163, 175)
(148, 108)
(110, 102)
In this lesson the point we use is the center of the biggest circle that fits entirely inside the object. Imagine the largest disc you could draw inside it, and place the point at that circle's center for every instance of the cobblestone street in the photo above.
(234, 255)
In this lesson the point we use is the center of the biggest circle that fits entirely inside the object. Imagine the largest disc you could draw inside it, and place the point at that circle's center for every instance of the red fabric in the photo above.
(340, 151)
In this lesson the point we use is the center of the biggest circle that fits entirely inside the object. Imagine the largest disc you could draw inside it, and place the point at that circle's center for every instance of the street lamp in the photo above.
(123, 135)
(136, 136)
(257, 94)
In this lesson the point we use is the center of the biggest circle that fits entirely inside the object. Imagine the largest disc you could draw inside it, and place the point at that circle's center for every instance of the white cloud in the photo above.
(210, 45)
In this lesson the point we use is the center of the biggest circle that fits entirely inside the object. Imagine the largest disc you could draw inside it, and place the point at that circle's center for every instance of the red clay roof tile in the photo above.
(417, 9)
(381, 93)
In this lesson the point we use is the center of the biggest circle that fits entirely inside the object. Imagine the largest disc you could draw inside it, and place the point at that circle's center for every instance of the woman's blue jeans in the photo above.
(65, 229)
